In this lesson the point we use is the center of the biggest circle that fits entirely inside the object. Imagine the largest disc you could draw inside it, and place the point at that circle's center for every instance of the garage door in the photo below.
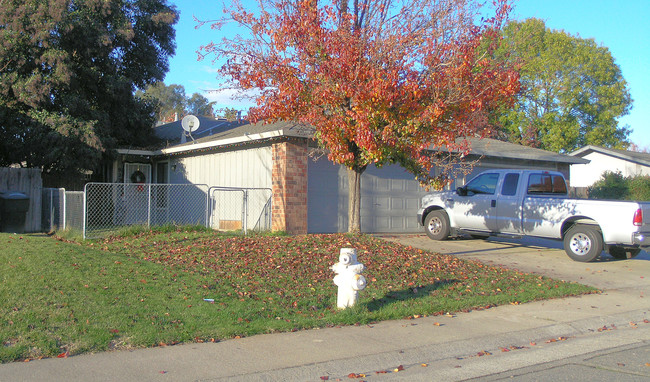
(389, 199)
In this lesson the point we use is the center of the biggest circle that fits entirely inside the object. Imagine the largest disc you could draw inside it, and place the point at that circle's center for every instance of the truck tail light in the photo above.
(638, 218)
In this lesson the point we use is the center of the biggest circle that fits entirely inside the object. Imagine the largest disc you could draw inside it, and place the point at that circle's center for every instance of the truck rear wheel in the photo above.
(436, 225)
(583, 243)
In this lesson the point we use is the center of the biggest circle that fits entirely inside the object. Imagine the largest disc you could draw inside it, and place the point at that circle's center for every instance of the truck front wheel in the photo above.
(583, 243)
(436, 225)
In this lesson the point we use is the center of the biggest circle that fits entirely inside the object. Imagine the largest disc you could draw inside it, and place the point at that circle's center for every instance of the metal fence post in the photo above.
(84, 212)
(65, 210)
(245, 212)
(149, 205)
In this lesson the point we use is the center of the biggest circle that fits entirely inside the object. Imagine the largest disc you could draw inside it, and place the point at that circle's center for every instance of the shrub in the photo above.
(613, 185)
(639, 187)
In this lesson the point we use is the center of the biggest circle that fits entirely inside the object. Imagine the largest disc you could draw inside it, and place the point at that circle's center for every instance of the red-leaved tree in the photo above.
(380, 81)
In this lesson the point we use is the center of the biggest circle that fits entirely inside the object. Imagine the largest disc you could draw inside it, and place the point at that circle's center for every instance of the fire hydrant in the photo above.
(348, 278)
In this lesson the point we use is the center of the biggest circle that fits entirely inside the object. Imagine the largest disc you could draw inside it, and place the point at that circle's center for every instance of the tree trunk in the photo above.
(354, 199)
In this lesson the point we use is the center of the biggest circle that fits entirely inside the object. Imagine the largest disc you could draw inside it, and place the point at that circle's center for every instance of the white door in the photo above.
(136, 193)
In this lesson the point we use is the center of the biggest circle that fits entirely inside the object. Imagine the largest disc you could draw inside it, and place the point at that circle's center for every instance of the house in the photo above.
(309, 193)
(629, 163)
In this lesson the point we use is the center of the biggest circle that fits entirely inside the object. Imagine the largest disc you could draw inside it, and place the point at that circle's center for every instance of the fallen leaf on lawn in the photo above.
(63, 355)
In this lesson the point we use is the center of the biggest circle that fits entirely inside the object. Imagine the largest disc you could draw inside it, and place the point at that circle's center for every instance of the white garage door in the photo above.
(389, 199)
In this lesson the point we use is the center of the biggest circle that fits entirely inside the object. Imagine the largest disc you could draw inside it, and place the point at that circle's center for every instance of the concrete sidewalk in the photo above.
(595, 337)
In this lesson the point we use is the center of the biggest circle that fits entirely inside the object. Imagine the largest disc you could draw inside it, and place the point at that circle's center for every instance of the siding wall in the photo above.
(249, 167)
(584, 175)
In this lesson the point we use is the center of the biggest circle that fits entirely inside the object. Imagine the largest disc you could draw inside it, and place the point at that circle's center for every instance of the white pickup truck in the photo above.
(519, 203)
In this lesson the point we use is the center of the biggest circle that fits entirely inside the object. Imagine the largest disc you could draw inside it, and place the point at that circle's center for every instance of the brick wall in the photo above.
(289, 179)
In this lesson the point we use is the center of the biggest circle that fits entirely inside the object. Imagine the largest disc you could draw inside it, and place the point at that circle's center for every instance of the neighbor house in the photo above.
(628, 163)
(309, 193)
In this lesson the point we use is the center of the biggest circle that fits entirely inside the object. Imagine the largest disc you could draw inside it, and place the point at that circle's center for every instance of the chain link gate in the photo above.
(110, 206)
(245, 209)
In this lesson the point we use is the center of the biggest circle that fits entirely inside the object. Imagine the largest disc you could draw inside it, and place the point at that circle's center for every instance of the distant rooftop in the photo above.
(632, 156)
(173, 131)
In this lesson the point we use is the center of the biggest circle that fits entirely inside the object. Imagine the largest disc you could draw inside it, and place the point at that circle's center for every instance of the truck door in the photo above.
(477, 209)
(508, 214)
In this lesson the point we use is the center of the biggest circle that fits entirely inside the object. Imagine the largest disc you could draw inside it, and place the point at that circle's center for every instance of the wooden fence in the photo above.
(28, 181)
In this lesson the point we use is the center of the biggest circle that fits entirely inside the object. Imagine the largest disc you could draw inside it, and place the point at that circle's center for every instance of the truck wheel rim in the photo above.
(580, 244)
(435, 226)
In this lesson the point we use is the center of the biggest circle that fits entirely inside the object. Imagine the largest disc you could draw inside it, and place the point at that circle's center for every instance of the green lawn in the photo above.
(148, 289)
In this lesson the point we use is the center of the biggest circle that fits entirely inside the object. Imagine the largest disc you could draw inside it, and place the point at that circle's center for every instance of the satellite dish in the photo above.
(190, 123)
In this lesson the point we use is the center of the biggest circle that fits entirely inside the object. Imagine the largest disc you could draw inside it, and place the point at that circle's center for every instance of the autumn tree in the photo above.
(68, 73)
(572, 93)
(380, 81)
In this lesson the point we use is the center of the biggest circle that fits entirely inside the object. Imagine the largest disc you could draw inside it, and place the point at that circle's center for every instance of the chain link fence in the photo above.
(110, 206)
(74, 210)
(240, 209)
(61, 209)
(104, 208)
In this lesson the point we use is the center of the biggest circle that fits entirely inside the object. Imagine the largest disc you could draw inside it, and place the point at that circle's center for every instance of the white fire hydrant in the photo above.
(348, 278)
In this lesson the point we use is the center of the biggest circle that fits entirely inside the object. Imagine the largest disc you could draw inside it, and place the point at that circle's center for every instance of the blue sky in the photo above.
(622, 26)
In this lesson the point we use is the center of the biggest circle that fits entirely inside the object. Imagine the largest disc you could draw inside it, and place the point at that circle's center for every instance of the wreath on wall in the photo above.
(137, 177)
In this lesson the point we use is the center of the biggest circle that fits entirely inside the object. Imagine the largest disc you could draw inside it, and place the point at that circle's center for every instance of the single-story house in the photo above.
(309, 193)
(629, 163)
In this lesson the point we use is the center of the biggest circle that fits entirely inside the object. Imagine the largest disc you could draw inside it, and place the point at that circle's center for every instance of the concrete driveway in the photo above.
(541, 256)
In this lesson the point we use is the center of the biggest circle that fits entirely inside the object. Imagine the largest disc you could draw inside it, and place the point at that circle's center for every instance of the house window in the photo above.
(162, 173)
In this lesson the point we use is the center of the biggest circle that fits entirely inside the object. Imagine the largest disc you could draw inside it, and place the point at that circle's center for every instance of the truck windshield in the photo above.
(483, 184)
(546, 184)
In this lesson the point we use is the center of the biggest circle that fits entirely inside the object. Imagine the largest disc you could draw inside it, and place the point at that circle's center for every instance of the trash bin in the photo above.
(13, 211)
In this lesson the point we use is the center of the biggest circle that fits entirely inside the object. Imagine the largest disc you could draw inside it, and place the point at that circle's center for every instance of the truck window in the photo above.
(510, 184)
(546, 184)
(483, 184)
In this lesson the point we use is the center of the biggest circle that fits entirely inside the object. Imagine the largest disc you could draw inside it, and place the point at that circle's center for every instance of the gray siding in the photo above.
(249, 167)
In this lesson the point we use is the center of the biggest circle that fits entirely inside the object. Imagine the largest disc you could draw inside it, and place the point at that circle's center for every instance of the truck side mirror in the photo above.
(461, 191)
